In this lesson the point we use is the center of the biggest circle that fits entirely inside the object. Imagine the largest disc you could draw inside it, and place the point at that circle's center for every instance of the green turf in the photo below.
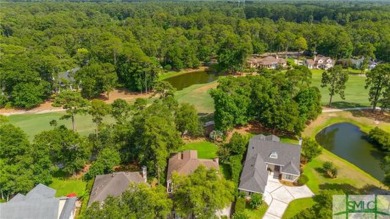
(67, 186)
(297, 206)
(197, 95)
(33, 124)
(355, 94)
(256, 213)
(206, 150)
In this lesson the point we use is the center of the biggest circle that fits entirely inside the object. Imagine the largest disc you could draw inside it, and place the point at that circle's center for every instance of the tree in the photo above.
(105, 162)
(155, 137)
(378, 81)
(233, 53)
(29, 95)
(68, 151)
(187, 121)
(139, 201)
(73, 103)
(164, 89)
(98, 110)
(96, 79)
(256, 200)
(310, 149)
(201, 193)
(237, 144)
(330, 169)
(301, 44)
(336, 79)
(120, 110)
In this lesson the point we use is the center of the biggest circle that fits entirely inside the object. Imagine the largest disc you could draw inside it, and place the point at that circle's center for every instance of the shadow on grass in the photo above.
(343, 104)
(346, 188)
(322, 172)
(378, 115)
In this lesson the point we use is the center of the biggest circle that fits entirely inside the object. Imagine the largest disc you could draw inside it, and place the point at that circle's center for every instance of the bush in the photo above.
(3, 100)
(334, 171)
(302, 180)
(327, 166)
(235, 167)
(168, 67)
(256, 200)
(240, 215)
(380, 138)
(240, 205)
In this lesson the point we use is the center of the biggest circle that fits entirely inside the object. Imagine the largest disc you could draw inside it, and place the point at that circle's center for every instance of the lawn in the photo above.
(199, 96)
(355, 94)
(257, 213)
(350, 178)
(33, 124)
(206, 150)
(67, 186)
(297, 206)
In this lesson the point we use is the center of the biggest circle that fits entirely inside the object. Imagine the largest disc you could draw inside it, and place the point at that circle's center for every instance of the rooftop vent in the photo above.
(273, 155)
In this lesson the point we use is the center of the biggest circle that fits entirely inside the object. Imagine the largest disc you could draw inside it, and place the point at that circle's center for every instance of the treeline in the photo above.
(283, 102)
(141, 135)
(128, 45)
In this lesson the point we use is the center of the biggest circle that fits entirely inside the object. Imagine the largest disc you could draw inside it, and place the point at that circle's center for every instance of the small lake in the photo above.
(348, 142)
(185, 80)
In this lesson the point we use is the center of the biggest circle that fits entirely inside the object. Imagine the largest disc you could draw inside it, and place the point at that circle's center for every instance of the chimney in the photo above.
(300, 141)
(144, 173)
(216, 160)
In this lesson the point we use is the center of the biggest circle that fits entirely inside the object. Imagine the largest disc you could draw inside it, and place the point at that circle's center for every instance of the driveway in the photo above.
(278, 196)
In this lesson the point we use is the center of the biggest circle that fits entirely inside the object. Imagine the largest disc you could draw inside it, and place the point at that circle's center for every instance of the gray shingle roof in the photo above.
(113, 184)
(38, 203)
(254, 175)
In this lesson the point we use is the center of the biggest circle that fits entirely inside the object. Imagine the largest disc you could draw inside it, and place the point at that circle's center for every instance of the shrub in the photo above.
(302, 180)
(327, 166)
(235, 167)
(334, 171)
(240, 205)
(240, 215)
(168, 67)
(256, 200)
(380, 138)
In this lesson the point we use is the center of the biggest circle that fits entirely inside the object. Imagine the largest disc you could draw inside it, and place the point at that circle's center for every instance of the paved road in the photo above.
(348, 109)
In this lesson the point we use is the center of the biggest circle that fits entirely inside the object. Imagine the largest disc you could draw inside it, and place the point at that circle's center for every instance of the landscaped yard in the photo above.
(67, 186)
(297, 206)
(257, 213)
(206, 150)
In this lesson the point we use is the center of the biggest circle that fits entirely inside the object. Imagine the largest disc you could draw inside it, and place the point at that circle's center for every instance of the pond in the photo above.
(348, 142)
(185, 80)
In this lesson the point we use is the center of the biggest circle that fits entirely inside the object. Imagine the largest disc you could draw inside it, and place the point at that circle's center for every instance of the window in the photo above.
(273, 155)
(289, 177)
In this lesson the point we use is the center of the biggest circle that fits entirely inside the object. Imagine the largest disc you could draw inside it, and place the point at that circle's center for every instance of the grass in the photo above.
(355, 94)
(170, 74)
(67, 186)
(297, 206)
(206, 150)
(350, 178)
(256, 213)
(198, 96)
(33, 124)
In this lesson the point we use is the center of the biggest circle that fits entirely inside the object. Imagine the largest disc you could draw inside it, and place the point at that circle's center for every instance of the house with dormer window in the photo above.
(268, 157)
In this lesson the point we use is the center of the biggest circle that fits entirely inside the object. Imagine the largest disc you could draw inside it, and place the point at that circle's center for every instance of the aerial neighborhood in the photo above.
(194, 109)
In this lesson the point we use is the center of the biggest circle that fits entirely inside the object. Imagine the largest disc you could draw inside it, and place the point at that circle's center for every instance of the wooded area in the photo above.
(102, 46)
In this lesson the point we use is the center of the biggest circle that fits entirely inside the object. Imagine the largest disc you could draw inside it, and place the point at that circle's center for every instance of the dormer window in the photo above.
(273, 155)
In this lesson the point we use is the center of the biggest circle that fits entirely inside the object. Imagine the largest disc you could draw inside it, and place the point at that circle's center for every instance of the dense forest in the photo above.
(105, 45)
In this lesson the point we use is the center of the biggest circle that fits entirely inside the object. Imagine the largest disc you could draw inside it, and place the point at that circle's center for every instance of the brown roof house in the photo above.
(270, 62)
(320, 62)
(40, 203)
(185, 163)
(114, 184)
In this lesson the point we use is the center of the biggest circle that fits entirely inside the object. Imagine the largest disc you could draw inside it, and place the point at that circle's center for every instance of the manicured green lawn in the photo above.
(199, 96)
(257, 213)
(67, 186)
(355, 94)
(33, 124)
(206, 150)
(297, 206)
